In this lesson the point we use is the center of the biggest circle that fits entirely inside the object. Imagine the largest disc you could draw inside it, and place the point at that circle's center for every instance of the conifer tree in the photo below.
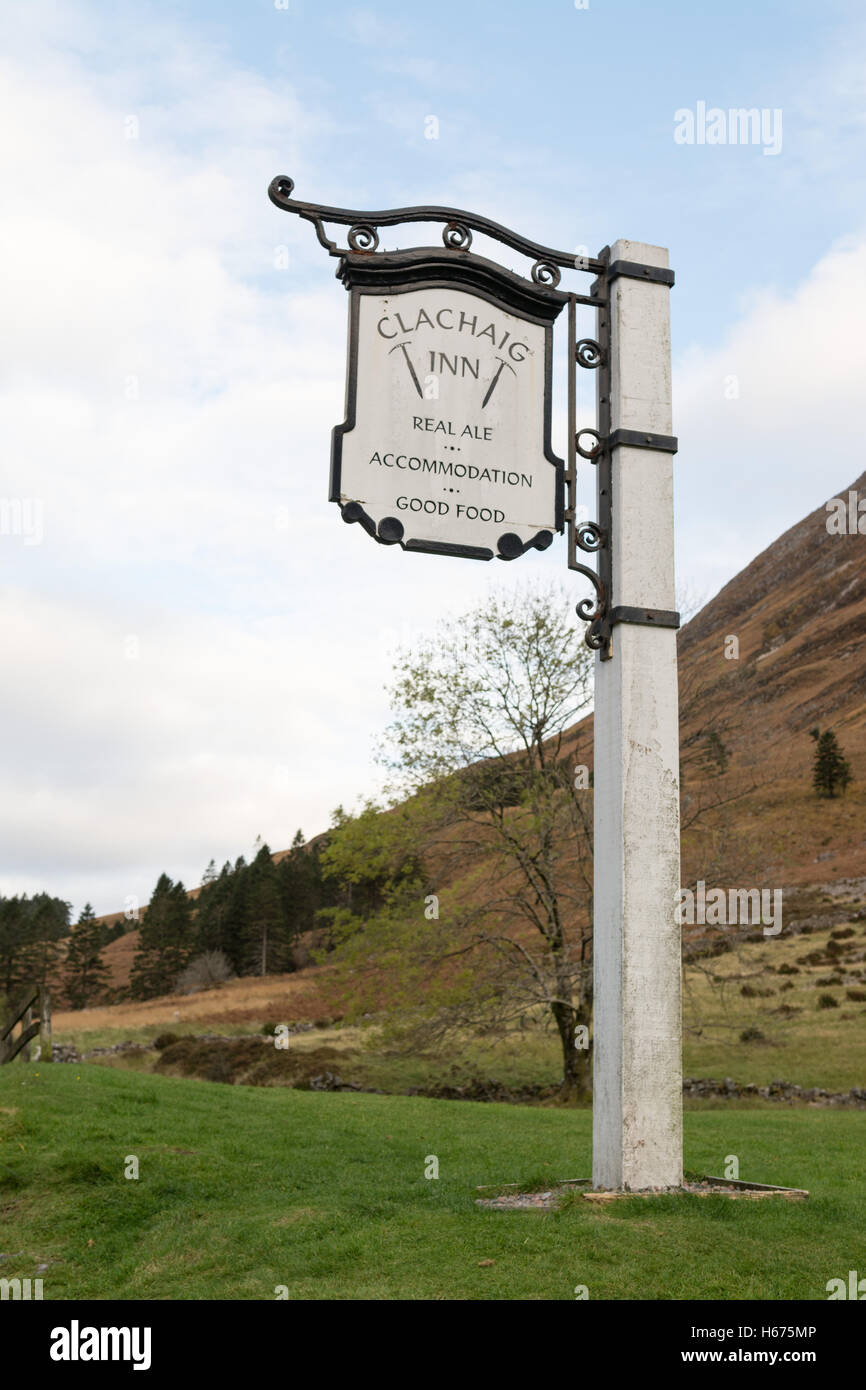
(210, 874)
(831, 770)
(266, 934)
(212, 911)
(301, 887)
(46, 923)
(86, 974)
(238, 918)
(165, 943)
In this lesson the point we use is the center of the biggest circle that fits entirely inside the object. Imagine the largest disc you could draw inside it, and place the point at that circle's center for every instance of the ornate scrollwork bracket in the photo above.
(592, 537)
(363, 236)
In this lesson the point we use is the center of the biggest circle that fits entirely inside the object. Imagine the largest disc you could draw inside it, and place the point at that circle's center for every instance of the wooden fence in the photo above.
(32, 1009)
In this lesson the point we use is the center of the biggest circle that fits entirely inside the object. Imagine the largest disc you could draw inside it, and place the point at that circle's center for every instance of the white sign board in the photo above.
(446, 445)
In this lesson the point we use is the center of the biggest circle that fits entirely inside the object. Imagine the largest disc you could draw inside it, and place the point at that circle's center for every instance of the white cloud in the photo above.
(751, 464)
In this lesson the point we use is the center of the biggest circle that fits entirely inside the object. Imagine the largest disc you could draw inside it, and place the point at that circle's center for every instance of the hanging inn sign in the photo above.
(446, 449)
(446, 443)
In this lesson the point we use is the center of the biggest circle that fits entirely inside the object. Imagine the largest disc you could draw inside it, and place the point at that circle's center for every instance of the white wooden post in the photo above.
(637, 1058)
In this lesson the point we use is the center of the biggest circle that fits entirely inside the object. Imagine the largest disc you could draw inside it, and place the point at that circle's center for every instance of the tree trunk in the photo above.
(576, 1061)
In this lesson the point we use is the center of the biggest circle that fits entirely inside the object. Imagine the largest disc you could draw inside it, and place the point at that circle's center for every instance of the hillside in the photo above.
(797, 613)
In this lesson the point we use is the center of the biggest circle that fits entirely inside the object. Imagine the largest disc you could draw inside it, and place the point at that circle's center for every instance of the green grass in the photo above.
(84, 1039)
(243, 1189)
(811, 1047)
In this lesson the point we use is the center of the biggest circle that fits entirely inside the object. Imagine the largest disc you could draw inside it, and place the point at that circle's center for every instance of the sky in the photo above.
(195, 649)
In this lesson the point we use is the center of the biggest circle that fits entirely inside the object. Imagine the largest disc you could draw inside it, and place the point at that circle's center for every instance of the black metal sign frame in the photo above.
(363, 269)
(432, 268)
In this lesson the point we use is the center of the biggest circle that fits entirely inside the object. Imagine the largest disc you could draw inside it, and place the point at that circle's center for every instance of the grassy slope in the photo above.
(242, 1189)
(810, 1047)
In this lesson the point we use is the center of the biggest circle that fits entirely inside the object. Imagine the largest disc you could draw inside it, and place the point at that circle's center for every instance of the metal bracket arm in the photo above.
(643, 439)
(646, 617)
(635, 271)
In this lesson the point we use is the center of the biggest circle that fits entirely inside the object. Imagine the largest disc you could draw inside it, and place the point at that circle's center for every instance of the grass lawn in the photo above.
(242, 1189)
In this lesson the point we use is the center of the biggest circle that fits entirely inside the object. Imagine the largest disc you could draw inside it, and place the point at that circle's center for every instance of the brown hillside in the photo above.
(118, 956)
(798, 613)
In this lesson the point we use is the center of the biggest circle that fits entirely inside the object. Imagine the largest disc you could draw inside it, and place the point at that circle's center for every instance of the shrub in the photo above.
(789, 984)
(789, 969)
(204, 972)
(826, 1001)
(752, 1035)
(756, 992)
(842, 933)
(858, 996)
(165, 1040)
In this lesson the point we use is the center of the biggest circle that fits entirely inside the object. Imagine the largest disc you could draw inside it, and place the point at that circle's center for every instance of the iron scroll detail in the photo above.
(363, 237)
(457, 236)
(548, 263)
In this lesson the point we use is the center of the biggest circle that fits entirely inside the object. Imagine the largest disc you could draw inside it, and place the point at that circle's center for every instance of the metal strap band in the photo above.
(635, 271)
(647, 617)
(643, 439)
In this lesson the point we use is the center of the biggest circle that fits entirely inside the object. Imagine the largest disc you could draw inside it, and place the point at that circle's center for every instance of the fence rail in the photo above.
(33, 999)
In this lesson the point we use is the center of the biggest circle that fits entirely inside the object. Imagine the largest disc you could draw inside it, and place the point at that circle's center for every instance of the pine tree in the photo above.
(166, 942)
(716, 754)
(300, 879)
(266, 934)
(46, 923)
(210, 874)
(12, 943)
(831, 770)
(86, 975)
(238, 918)
(212, 908)
(30, 932)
